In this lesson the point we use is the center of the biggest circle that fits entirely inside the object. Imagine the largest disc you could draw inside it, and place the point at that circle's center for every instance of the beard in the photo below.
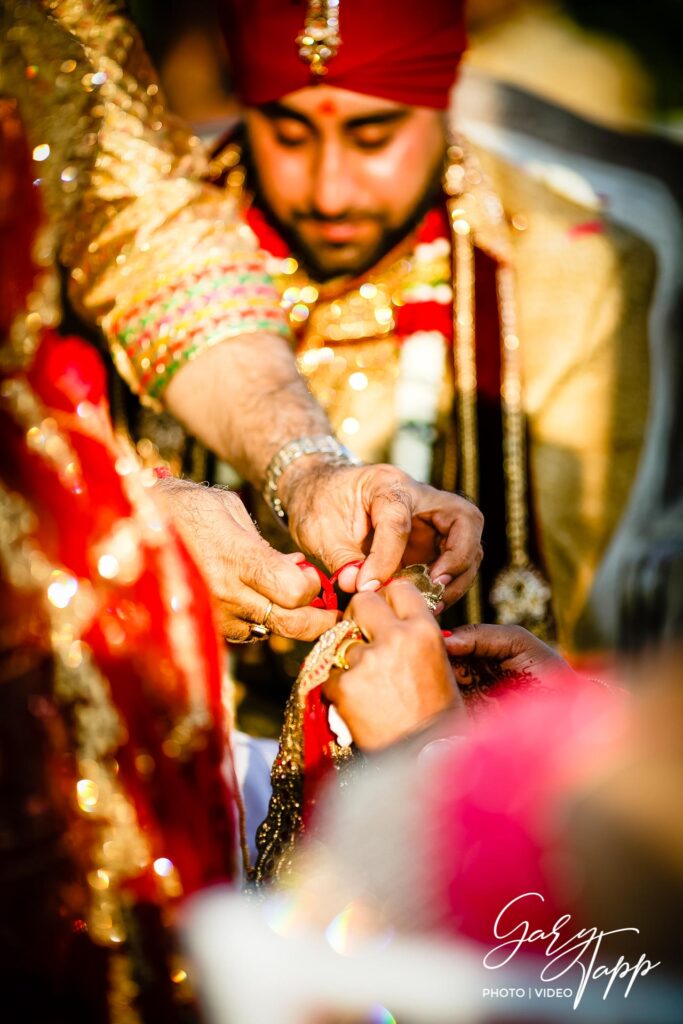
(324, 259)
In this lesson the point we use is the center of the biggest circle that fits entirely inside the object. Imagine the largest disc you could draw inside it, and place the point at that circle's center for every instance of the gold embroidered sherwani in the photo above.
(584, 288)
(584, 299)
(162, 263)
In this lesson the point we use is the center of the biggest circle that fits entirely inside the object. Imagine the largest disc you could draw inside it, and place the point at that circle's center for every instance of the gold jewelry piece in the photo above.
(319, 39)
(264, 620)
(257, 632)
(419, 576)
(519, 594)
(464, 350)
(340, 659)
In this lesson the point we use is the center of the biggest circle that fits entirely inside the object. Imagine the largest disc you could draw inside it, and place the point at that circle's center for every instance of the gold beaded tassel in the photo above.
(319, 40)
(464, 354)
(519, 594)
(514, 451)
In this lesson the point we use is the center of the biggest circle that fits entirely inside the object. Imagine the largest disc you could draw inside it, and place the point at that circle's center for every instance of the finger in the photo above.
(234, 630)
(458, 522)
(295, 624)
(462, 642)
(459, 550)
(337, 681)
(456, 588)
(487, 641)
(407, 601)
(353, 653)
(332, 685)
(296, 558)
(343, 562)
(391, 513)
(423, 544)
(348, 578)
(273, 575)
(301, 623)
(372, 615)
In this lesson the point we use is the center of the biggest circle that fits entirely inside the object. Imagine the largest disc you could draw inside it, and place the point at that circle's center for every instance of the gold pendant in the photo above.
(419, 576)
(521, 596)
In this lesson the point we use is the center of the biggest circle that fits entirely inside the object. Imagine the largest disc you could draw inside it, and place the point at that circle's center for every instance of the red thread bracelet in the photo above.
(328, 599)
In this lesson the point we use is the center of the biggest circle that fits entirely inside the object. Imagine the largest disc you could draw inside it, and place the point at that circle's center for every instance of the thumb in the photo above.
(462, 642)
(391, 515)
(276, 576)
(485, 640)
(346, 564)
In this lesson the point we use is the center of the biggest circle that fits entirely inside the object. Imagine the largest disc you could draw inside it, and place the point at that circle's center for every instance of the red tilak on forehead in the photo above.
(327, 107)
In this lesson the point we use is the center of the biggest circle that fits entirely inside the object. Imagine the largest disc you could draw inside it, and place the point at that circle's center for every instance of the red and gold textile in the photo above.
(153, 254)
(113, 799)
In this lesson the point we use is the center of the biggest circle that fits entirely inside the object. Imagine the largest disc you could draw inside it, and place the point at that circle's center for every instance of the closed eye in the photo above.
(372, 139)
(289, 132)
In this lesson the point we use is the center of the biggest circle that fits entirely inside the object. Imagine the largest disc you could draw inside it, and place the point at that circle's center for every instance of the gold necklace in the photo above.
(520, 594)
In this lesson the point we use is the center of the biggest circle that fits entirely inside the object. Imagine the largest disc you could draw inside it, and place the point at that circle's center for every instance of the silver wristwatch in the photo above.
(317, 444)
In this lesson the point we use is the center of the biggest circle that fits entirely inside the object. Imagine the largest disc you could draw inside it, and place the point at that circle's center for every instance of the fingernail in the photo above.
(370, 585)
(445, 579)
(439, 608)
(347, 578)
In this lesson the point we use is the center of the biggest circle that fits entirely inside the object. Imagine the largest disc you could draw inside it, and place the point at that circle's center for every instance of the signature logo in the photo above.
(565, 949)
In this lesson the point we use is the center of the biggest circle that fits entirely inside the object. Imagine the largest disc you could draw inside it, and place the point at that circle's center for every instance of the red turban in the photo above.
(402, 50)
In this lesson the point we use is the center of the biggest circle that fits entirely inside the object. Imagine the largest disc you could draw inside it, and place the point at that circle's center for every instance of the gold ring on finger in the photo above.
(257, 631)
(261, 630)
(340, 659)
(264, 620)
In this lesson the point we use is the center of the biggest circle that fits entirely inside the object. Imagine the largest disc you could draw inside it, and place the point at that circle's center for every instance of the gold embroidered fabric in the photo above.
(584, 300)
(277, 836)
(155, 256)
(583, 304)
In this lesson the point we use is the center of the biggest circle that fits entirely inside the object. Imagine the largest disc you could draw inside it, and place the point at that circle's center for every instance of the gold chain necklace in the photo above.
(519, 594)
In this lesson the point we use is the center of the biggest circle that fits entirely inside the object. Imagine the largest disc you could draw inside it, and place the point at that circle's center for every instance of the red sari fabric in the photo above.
(151, 638)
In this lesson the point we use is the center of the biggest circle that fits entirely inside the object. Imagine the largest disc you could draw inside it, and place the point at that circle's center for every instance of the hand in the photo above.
(242, 571)
(342, 514)
(502, 651)
(398, 679)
